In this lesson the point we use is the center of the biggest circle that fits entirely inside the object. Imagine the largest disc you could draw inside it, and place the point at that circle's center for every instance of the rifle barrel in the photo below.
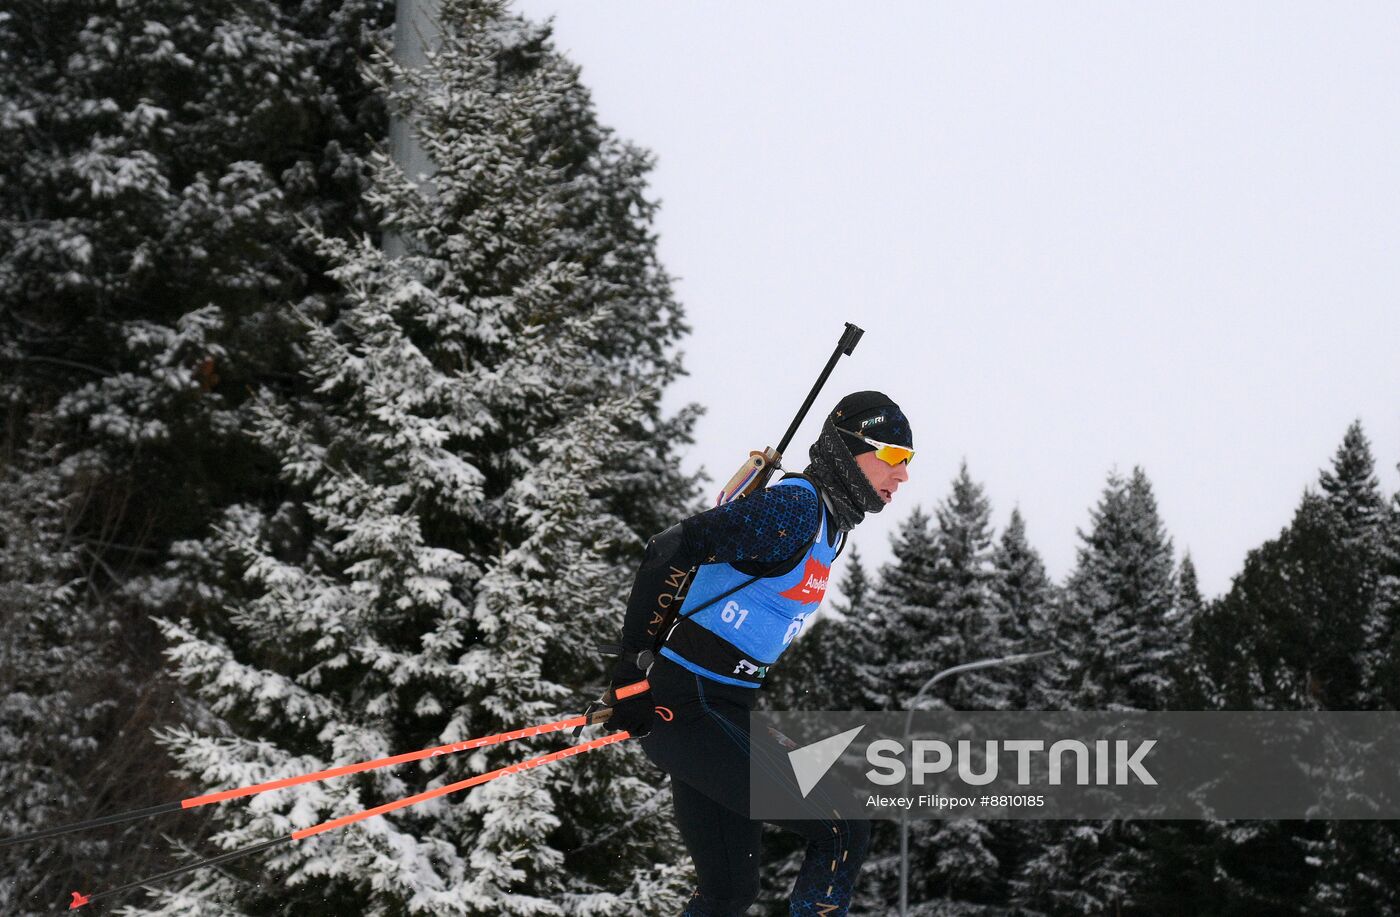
(847, 345)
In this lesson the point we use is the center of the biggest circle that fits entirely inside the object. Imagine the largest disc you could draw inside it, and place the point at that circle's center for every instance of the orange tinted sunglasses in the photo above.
(888, 453)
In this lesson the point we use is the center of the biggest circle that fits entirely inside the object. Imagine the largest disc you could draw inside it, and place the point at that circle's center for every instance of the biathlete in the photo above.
(776, 546)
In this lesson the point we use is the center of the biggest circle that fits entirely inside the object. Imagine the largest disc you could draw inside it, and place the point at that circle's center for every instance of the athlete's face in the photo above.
(884, 478)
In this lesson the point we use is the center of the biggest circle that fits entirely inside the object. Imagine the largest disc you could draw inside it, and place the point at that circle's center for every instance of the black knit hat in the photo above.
(872, 414)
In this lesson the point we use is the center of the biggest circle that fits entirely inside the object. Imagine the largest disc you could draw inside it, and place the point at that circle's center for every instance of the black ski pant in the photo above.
(705, 749)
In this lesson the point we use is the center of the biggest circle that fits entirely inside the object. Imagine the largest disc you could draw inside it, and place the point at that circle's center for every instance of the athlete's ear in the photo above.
(661, 548)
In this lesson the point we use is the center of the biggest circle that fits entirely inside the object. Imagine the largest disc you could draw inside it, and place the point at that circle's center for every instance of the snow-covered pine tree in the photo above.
(968, 615)
(1310, 597)
(1023, 591)
(1352, 489)
(952, 867)
(1114, 637)
(1359, 860)
(467, 490)
(1355, 607)
(1187, 609)
(1189, 602)
(1116, 651)
(904, 601)
(156, 159)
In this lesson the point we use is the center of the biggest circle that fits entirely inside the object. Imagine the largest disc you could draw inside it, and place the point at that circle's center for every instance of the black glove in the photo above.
(634, 714)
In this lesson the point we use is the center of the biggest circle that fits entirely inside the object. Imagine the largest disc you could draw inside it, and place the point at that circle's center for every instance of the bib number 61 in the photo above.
(733, 614)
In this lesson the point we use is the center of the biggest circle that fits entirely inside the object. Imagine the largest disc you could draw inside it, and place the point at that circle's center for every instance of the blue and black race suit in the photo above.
(708, 674)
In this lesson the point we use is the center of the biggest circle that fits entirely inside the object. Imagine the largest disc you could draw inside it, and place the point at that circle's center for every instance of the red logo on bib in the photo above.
(810, 589)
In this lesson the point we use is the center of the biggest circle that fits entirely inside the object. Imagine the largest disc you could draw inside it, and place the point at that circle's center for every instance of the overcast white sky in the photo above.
(1078, 236)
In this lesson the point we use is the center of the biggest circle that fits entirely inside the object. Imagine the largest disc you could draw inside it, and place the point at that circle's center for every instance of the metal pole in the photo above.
(416, 35)
(908, 724)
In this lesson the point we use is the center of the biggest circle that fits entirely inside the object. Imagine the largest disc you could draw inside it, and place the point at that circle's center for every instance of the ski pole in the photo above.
(590, 718)
(79, 899)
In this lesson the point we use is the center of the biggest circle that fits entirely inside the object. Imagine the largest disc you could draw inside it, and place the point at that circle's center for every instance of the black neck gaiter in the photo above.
(840, 479)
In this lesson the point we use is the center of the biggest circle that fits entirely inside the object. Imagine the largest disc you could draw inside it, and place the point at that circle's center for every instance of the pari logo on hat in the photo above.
(874, 415)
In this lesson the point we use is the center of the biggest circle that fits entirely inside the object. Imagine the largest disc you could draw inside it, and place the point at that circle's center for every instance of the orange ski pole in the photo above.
(79, 899)
(589, 719)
